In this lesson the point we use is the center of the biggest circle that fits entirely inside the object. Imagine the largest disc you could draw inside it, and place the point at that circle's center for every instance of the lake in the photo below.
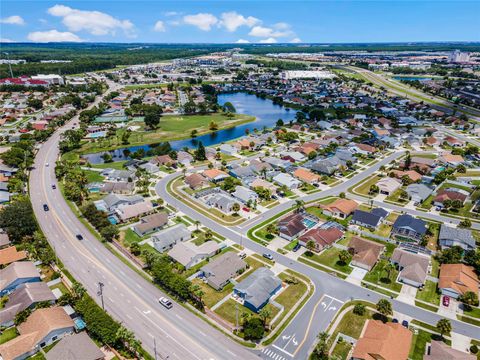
(266, 115)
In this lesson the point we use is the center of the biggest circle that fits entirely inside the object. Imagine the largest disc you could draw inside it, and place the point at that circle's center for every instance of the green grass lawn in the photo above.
(435, 267)
(290, 296)
(7, 335)
(474, 312)
(212, 296)
(352, 324)
(364, 187)
(93, 176)
(131, 237)
(427, 203)
(60, 287)
(341, 350)
(379, 276)
(429, 293)
(383, 230)
(395, 197)
(419, 342)
(329, 258)
(117, 165)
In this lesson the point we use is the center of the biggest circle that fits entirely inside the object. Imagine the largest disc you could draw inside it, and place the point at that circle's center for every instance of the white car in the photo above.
(165, 302)
(46, 164)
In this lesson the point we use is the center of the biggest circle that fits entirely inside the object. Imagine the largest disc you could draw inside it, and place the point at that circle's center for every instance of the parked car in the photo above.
(45, 207)
(405, 323)
(165, 302)
(54, 186)
(242, 255)
(296, 247)
(395, 320)
(246, 209)
(46, 164)
(446, 301)
(268, 256)
(79, 237)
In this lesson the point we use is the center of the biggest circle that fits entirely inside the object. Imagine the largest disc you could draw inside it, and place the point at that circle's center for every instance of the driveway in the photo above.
(408, 294)
(356, 276)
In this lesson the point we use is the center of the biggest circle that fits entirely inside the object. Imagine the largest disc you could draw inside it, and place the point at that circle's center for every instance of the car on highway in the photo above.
(446, 301)
(54, 186)
(45, 207)
(165, 302)
(405, 324)
(79, 237)
(268, 256)
(46, 165)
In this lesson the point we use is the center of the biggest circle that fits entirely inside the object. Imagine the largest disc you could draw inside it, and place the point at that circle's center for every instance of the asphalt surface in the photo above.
(128, 297)
(300, 335)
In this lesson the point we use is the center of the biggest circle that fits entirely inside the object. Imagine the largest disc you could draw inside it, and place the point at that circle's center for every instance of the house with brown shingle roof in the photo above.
(291, 226)
(322, 238)
(41, 328)
(196, 181)
(10, 254)
(215, 175)
(457, 279)
(383, 341)
(411, 174)
(440, 351)
(452, 160)
(413, 267)
(340, 208)
(306, 176)
(365, 252)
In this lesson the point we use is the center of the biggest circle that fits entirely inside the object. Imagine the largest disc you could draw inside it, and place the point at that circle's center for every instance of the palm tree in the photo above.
(299, 205)
(444, 326)
(384, 307)
(208, 234)
(311, 246)
(196, 223)
(272, 228)
(321, 349)
(264, 314)
(245, 316)
(389, 268)
(236, 207)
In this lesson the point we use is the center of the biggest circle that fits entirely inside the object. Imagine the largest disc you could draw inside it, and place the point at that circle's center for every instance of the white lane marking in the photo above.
(231, 353)
(131, 318)
(111, 300)
(178, 316)
(284, 351)
(139, 286)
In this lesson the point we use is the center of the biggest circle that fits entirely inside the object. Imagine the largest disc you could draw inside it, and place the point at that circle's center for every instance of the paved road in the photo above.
(128, 297)
(329, 290)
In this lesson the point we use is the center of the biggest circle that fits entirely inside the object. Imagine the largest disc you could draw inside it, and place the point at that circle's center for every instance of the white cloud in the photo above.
(5, 40)
(266, 32)
(53, 36)
(242, 41)
(171, 13)
(281, 26)
(203, 21)
(233, 20)
(94, 22)
(296, 40)
(270, 40)
(13, 20)
(159, 26)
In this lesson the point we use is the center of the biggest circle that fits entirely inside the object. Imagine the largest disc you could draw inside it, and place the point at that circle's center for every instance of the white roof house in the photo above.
(245, 194)
(388, 185)
(287, 180)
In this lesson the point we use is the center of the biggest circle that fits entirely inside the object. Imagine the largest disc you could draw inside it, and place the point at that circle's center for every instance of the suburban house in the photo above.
(222, 201)
(383, 341)
(365, 252)
(26, 296)
(219, 271)
(184, 158)
(42, 327)
(340, 208)
(450, 236)
(150, 223)
(408, 227)
(260, 183)
(457, 279)
(438, 350)
(291, 226)
(112, 201)
(450, 194)
(410, 174)
(196, 181)
(326, 166)
(164, 240)
(322, 238)
(10, 254)
(413, 267)
(188, 254)
(244, 194)
(215, 175)
(451, 160)
(75, 347)
(284, 179)
(388, 185)
(165, 160)
(418, 192)
(16, 274)
(119, 175)
(127, 212)
(257, 288)
(369, 219)
(306, 176)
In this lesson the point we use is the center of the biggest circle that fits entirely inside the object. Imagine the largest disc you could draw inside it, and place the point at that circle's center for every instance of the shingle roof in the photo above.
(365, 217)
(10, 254)
(460, 235)
(441, 351)
(75, 347)
(258, 286)
(17, 270)
(461, 278)
(224, 268)
(415, 266)
(407, 221)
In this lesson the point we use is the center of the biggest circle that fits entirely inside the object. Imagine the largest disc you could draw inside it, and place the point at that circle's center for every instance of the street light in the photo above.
(100, 293)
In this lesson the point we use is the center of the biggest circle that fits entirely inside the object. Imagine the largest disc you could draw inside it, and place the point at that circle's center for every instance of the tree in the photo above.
(193, 133)
(444, 327)
(384, 307)
(127, 338)
(213, 126)
(403, 194)
(152, 116)
(465, 223)
(311, 245)
(408, 161)
(280, 123)
(236, 207)
(469, 299)
(272, 228)
(373, 189)
(78, 290)
(228, 107)
(342, 195)
(208, 235)
(321, 349)
(135, 248)
(451, 255)
(196, 223)
(18, 220)
(253, 329)
(359, 309)
(200, 152)
(299, 205)
(264, 314)
(22, 316)
(344, 256)
(389, 268)
(109, 232)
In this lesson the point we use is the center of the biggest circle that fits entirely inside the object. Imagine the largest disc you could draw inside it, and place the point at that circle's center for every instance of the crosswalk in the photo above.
(270, 354)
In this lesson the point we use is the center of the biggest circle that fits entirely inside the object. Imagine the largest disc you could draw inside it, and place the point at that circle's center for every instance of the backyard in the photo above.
(380, 276)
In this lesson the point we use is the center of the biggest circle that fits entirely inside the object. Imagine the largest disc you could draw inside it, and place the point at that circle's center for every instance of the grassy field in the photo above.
(364, 187)
(378, 275)
(8, 335)
(289, 297)
(93, 176)
(329, 258)
(172, 127)
(429, 293)
(212, 296)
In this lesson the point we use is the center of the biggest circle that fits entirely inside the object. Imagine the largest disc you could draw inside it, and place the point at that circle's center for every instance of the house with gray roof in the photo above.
(16, 274)
(257, 288)
(406, 227)
(219, 271)
(111, 202)
(75, 347)
(189, 255)
(26, 296)
(450, 236)
(222, 201)
(326, 166)
(286, 179)
(245, 194)
(119, 175)
(150, 223)
(418, 192)
(166, 239)
(413, 267)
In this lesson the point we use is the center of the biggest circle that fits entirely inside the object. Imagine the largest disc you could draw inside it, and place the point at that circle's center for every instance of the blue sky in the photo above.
(239, 21)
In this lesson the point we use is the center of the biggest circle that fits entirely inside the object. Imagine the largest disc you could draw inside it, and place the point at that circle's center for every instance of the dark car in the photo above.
(79, 237)
(395, 321)
(296, 247)
(54, 186)
(405, 323)
(45, 207)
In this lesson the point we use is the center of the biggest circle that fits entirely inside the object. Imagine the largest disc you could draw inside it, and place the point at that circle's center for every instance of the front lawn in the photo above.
(290, 296)
(383, 230)
(228, 311)
(212, 296)
(419, 342)
(429, 293)
(364, 188)
(378, 275)
(395, 197)
(329, 258)
(93, 176)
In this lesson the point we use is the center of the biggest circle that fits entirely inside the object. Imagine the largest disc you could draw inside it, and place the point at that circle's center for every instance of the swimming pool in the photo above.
(113, 220)
(309, 223)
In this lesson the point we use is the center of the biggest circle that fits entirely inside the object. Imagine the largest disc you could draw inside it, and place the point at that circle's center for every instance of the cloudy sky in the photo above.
(243, 21)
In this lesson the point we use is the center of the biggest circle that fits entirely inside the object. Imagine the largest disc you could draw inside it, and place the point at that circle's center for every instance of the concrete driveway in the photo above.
(356, 276)
(408, 294)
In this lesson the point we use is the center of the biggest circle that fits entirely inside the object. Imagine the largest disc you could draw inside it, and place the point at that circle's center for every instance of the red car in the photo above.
(246, 209)
(446, 301)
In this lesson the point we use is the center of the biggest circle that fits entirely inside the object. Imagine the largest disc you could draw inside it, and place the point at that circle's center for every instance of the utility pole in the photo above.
(9, 65)
(236, 315)
(100, 293)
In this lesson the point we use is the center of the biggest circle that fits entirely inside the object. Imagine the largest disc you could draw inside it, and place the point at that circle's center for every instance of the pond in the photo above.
(266, 115)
